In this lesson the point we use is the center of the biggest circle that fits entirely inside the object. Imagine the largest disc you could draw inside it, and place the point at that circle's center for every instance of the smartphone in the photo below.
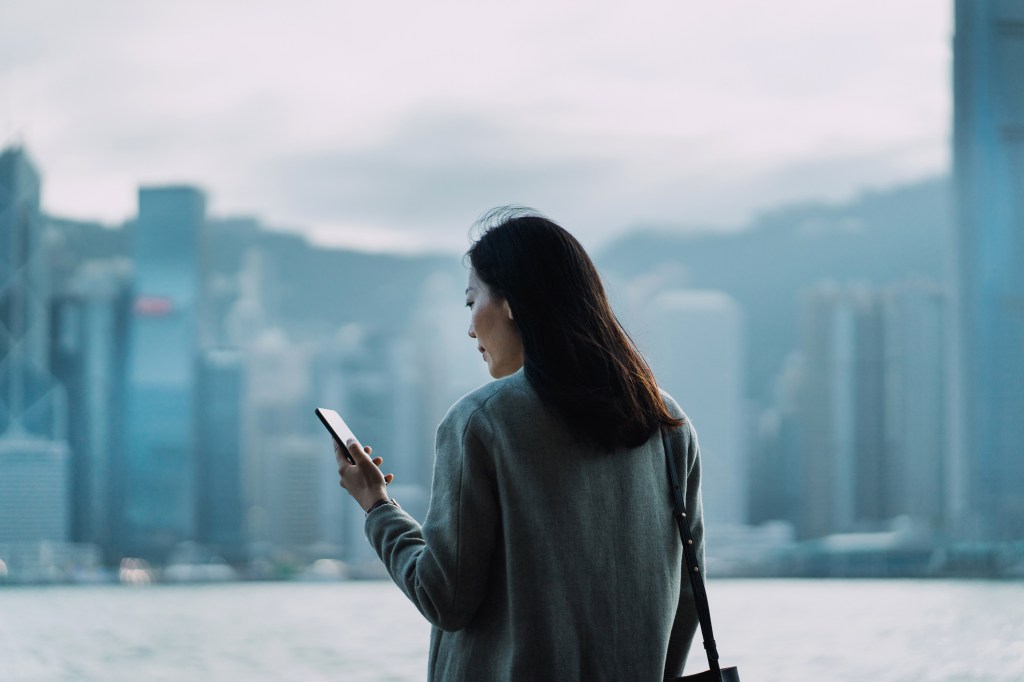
(339, 429)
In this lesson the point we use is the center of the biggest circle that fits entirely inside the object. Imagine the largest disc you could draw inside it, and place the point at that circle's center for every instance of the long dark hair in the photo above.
(576, 354)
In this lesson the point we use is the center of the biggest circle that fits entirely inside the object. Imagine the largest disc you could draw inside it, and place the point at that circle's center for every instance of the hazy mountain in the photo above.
(316, 290)
(878, 238)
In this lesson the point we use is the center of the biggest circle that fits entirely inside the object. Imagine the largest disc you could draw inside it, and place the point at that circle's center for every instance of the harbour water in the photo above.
(366, 631)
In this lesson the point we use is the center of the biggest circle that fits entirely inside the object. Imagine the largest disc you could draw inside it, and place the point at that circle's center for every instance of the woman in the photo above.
(549, 550)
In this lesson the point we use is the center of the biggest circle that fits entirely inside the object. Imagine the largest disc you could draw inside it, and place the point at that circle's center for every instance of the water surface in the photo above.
(355, 631)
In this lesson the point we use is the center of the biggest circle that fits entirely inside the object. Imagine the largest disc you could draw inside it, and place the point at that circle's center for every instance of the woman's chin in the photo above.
(500, 372)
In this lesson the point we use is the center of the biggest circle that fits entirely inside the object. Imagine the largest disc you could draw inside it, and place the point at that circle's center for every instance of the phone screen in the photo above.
(338, 428)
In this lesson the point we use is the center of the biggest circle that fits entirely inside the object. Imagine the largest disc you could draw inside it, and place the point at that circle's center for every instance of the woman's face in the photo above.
(491, 324)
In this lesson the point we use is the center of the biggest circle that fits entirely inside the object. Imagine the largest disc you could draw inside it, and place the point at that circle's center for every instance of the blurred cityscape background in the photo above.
(855, 370)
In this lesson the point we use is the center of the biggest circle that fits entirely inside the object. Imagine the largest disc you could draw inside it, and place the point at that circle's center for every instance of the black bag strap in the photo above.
(700, 596)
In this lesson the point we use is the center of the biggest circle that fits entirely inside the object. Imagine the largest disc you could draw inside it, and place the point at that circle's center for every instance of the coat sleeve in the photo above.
(686, 449)
(443, 565)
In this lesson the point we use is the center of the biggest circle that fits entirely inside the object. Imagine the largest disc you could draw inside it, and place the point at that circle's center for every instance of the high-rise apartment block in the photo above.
(917, 467)
(988, 153)
(841, 411)
(872, 408)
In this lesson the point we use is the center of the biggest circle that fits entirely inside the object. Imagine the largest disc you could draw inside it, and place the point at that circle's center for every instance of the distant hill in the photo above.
(879, 238)
(316, 290)
(310, 290)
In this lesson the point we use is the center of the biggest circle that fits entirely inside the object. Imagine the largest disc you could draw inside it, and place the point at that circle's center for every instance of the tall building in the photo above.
(88, 346)
(160, 430)
(275, 405)
(33, 410)
(31, 402)
(296, 468)
(841, 410)
(873, 380)
(220, 516)
(360, 374)
(917, 450)
(988, 154)
(694, 344)
(776, 462)
(33, 491)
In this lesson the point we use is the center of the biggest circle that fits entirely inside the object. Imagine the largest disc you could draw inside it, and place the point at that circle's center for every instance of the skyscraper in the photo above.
(841, 410)
(30, 400)
(694, 344)
(221, 507)
(89, 331)
(33, 454)
(988, 153)
(160, 473)
(33, 491)
(916, 385)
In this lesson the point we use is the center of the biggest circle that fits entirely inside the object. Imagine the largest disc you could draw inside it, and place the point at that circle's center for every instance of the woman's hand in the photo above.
(363, 480)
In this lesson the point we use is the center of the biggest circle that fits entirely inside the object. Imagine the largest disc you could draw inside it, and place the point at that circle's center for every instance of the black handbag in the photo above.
(700, 596)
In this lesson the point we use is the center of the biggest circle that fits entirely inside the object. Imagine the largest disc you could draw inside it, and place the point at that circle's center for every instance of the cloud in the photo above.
(344, 118)
(430, 172)
(422, 184)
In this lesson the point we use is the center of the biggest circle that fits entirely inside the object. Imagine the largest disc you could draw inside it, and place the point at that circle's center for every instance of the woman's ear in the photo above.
(508, 310)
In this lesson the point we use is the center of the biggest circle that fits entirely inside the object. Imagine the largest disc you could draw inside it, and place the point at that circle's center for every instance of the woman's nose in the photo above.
(472, 332)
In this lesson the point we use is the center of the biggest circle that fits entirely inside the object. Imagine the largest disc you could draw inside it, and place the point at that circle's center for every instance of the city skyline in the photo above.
(364, 130)
(284, 359)
(853, 369)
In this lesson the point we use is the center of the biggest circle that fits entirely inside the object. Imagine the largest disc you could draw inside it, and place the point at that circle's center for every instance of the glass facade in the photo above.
(160, 430)
(33, 407)
(89, 330)
(989, 166)
(31, 402)
(221, 508)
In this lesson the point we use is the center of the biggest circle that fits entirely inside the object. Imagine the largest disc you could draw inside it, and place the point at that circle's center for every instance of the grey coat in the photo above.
(542, 558)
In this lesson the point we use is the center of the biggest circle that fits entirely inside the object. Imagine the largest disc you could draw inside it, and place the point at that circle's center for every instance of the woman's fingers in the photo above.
(358, 452)
(388, 478)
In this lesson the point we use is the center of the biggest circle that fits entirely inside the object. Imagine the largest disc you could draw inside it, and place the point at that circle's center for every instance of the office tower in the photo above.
(694, 344)
(33, 490)
(276, 401)
(220, 516)
(776, 461)
(31, 402)
(88, 347)
(988, 155)
(33, 454)
(360, 373)
(915, 377)
(296, 468)
(841, 410)
(246, 317)
(159, 470)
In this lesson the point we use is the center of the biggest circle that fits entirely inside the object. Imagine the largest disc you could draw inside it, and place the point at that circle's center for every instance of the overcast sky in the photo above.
(393, 125)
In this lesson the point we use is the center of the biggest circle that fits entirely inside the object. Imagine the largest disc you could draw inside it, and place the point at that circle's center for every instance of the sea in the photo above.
(837, 630)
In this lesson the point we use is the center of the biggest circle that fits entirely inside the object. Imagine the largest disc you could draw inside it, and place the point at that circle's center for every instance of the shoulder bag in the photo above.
(716, 673)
